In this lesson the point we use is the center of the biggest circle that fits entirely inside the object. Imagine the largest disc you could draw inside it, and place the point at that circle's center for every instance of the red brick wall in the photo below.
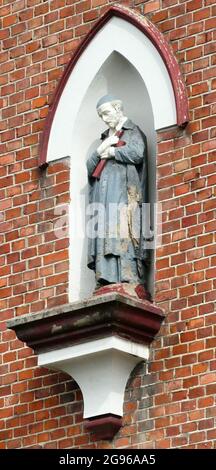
(171, 401)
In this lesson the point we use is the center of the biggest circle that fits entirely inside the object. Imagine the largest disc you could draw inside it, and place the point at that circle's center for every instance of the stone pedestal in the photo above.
(138, 291)
(98, 342)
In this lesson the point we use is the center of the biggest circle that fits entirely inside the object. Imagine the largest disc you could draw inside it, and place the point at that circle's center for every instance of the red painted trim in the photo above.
(157, 39)
(107, 315)
(139, 292)
(105, 426)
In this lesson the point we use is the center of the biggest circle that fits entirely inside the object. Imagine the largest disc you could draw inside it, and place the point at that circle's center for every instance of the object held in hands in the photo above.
(99, 168)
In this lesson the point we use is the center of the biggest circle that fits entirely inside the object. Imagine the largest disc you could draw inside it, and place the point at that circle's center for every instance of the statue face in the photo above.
(110, 114)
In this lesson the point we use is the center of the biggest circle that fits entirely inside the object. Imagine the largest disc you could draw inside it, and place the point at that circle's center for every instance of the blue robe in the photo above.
(113, 257)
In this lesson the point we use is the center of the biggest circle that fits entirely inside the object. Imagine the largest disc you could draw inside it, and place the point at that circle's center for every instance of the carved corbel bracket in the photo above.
(98, 342)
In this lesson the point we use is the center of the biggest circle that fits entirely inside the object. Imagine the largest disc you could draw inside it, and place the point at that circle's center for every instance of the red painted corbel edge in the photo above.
(157, 39)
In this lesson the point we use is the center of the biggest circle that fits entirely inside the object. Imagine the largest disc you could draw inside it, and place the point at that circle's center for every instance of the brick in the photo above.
(209, 23)
(196, 346)
(57, 26)
(207, 378)
(194, 53)
(39, 102)
(189, 359)
(201, 14)
(97, 3)
(151, 6)
(199, 88)
(209, 98)
(194, 5)
(197, 437)
(187, 221)
(67, 11)
(9, 20)
(90, 15)
(209, 122)
(41, 9)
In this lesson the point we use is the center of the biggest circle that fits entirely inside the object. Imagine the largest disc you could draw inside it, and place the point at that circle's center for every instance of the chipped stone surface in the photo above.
(96, 318)
(75, 306)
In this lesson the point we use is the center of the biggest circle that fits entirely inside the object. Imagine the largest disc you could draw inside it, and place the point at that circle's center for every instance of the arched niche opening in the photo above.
(126, 55)
(119, 77)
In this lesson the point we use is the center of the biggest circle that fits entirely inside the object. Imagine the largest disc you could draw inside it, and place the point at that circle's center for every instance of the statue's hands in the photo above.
(106, 155)
(112, 140)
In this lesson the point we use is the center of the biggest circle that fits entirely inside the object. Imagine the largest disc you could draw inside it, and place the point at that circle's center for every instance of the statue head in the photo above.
(110, 110)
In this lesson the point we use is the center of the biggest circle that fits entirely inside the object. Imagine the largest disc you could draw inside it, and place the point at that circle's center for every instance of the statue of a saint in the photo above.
(117, 173)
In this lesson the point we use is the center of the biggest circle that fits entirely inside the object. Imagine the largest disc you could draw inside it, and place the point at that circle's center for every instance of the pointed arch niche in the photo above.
(124, 55)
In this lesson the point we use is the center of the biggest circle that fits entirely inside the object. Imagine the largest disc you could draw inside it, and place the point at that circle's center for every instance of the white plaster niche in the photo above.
(120, 60)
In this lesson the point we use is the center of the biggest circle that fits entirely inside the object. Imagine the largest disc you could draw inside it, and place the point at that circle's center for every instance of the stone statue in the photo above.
(117, 173)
